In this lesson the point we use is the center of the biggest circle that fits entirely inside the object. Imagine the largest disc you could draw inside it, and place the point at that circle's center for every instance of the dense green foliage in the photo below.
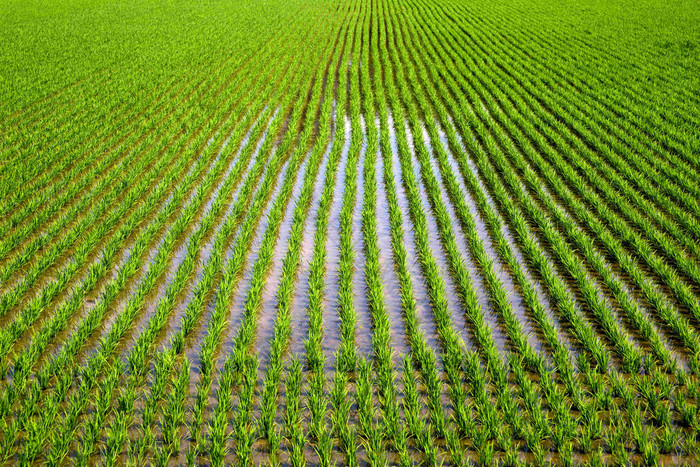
(334, 232)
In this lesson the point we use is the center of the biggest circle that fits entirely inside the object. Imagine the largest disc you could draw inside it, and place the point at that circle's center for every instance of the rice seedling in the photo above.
(379, 232)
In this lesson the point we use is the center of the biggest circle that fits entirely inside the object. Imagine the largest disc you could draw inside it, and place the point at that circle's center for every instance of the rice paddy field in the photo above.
(333, 232)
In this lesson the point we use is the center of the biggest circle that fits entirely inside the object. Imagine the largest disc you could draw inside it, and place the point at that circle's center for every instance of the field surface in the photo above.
(341, 232)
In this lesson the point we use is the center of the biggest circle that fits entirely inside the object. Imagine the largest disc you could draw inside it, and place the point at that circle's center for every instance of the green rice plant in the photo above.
(93, 277)
(59, 197)
(381, 344)
(667, 440)
(601, 110)
(686, 411)
(219, 425)
(585, 130)
(371, 436)
(174, 413)
(411, 401)
(680, 290)
(484, 449)
(293, 431)
(482, 331)
(7, 300)
(244, 435)
(363, 399)
(324, 450)
(690, 445)
(78, 166)
(340, 417)
(454, 445)
(135, 176)
(92, 428)
(650, 454)
(290, 264)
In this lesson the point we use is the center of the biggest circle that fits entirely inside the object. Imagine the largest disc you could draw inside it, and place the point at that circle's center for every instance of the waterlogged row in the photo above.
(425, 237)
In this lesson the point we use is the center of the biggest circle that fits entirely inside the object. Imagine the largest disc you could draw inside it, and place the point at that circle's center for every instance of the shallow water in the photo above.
(457, 312)
(193, 346)
(239, 298)
(331, 315)
(390, 280)
(206, 249)
(135, 281)
(363, 334)
(501, 269)
(182, 246)
(300, 301)
(426, 323)
(478, 281)
(542, 292)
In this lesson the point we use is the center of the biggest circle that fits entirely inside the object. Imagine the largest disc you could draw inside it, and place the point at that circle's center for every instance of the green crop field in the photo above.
(342, 232)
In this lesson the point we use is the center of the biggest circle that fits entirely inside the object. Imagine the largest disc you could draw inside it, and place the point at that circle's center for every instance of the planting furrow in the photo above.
(331, 319)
